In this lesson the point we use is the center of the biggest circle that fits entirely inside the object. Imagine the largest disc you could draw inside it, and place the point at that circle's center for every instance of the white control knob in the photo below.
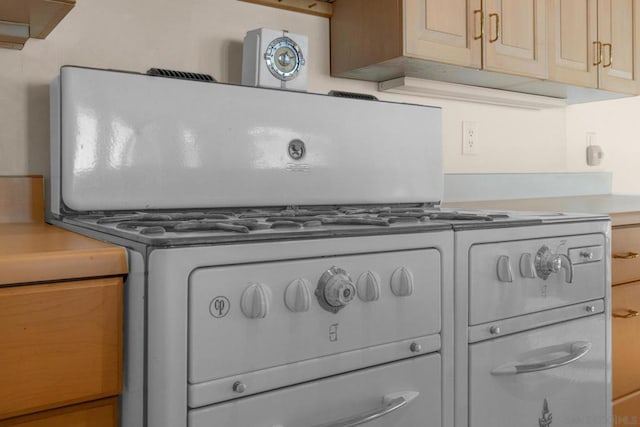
(527, 269)
(297, 297)
(402, 282)
(335, 289)
(504, 269)
(369, 286)
(255, 301)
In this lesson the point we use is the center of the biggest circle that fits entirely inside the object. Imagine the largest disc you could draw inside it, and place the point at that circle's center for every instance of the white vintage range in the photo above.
(290, 267)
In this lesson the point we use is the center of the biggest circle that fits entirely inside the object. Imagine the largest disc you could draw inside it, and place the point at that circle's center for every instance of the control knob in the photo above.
(297, 297)
(254, 302)
(369, 286)
(402, 282)
(504, 269)
(335, 289)
(547, 262)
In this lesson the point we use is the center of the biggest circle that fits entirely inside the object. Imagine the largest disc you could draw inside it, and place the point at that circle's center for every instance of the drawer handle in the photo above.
(476, 13)
(575, 351)
(628, 315)
(628, 255)
(497, 27)
(390, 403)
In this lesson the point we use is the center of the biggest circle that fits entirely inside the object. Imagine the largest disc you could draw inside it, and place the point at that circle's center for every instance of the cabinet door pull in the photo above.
(629, 314)
(610, 56)
(627, 255)
(597, 53)
(475, 28)
(497, 27)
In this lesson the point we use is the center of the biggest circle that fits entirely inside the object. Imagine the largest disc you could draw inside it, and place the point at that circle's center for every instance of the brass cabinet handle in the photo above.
(604, 46)
(628, 315)
(497, 27)
(597, 55)
(628, 255)
(475, 13)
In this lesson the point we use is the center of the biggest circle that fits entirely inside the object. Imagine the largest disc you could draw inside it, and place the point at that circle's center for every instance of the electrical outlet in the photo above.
(469, 138)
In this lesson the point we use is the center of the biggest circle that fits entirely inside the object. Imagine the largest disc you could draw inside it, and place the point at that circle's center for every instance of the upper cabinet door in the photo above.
(447, 31)
(515, 37)
(573, 35)
(618, 27)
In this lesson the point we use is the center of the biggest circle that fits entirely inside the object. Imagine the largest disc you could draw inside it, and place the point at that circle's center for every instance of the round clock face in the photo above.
(284, 58)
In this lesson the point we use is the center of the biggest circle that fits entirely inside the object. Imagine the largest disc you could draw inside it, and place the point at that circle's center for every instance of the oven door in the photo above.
(400, 394)
(555, 375)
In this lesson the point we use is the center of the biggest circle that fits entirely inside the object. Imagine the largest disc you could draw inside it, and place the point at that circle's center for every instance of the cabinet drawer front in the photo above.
(626, 411)
(625, 307)
(60, 344)
(101, 413)
(625, 251)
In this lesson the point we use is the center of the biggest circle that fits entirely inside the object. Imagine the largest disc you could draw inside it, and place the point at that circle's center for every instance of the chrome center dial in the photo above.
(335, 289)
(284, 58)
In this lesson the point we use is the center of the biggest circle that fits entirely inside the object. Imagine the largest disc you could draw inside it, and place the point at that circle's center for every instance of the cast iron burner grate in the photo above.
(246, 221)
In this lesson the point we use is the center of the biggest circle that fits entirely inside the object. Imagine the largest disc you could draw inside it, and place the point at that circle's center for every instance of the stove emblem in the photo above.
(219, 307)
(546, 419)
(333, 332)
(296, 149)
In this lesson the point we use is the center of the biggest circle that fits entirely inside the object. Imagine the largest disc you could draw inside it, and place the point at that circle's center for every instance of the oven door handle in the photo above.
(390, 403)
(575, 351)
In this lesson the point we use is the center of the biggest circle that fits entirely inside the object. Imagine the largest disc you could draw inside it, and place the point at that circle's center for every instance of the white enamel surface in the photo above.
(130, 141)
(281, 337)
(576, 393)
(491, 298)
(319, 402)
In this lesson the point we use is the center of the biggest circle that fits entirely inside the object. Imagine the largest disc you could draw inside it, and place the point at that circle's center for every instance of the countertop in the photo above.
(32, 251)
(624, 209)
(40, 252)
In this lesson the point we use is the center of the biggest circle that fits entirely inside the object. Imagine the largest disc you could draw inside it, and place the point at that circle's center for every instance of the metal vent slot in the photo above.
(186, 75)
(352, 95)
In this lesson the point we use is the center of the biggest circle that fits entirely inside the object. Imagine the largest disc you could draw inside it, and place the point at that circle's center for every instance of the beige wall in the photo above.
(206, 36)
(616, 125)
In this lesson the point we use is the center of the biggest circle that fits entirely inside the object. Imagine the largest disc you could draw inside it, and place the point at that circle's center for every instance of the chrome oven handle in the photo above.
(390, 403)
(565, 262)
(575, 349)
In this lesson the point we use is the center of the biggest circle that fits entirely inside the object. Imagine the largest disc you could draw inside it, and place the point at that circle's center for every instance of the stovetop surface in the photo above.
(196, 227)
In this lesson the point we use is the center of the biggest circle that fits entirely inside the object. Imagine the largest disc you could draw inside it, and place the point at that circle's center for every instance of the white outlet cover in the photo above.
(469, 138)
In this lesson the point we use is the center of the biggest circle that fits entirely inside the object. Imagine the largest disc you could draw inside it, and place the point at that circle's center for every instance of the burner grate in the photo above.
(293, 218)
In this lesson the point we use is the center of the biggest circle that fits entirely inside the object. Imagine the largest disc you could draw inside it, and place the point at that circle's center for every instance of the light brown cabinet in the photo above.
(60, 345)
(443, 30)
(595, 43)
(99, 413)
(544, 47)
(496, 35)
(515, 37)
(625, 309)
(22, 19)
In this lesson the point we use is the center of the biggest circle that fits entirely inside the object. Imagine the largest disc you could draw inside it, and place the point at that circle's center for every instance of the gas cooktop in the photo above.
(232, 225)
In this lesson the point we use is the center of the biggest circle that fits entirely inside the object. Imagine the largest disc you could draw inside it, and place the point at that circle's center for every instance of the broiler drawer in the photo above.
(625, 254)
(625, 309)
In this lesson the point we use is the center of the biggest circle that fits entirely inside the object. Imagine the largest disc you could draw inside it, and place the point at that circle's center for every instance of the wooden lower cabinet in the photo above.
(626, 411)
(100, 413)
(625, 253)
(625, 306)
(60, 344)
(625, 326)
